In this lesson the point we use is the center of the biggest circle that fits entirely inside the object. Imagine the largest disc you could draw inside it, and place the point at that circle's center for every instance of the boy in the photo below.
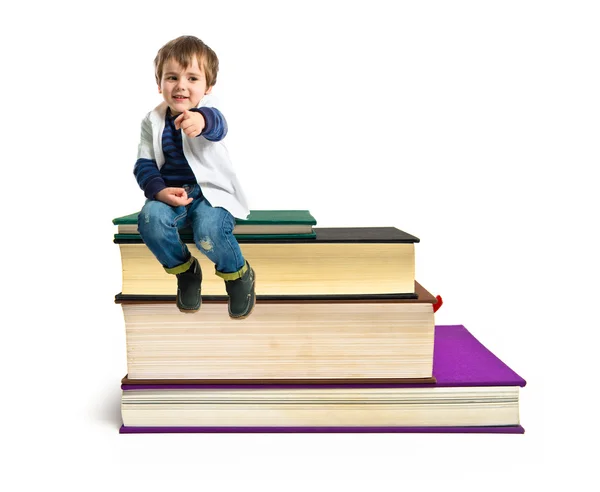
(187, 177)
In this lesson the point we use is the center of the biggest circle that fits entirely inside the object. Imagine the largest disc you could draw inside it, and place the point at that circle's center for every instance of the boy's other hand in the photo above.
(173, 196)
(191, 122)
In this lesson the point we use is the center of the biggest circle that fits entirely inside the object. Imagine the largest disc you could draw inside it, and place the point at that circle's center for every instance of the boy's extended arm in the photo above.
(215, 127)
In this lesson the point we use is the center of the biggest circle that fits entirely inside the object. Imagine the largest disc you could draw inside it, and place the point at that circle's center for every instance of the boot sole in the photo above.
(188, 311)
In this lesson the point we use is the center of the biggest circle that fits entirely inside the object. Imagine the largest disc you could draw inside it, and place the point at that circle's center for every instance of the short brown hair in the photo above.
(182, 50)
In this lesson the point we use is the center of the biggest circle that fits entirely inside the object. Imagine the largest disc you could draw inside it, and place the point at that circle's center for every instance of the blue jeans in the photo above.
(159, 225)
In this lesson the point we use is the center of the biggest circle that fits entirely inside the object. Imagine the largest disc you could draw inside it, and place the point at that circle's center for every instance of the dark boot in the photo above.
(188, 288)
(241, 294)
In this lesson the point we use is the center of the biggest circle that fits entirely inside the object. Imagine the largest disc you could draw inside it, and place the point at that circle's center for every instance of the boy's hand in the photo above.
(191, 122)
(173, 196)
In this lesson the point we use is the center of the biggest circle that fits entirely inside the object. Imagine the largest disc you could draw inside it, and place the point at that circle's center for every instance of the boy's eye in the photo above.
(193, 79)
(171, 77)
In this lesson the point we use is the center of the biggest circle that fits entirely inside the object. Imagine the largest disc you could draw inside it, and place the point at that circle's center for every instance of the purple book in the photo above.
(459, 360)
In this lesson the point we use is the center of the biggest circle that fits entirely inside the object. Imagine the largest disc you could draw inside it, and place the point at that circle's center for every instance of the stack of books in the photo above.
(342, 339)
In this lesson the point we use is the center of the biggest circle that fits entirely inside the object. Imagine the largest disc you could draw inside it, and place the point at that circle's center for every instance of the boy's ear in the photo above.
(208, 91)
(159, 90)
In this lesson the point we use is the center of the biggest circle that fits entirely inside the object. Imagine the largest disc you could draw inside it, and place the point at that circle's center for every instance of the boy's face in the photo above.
(183, 88)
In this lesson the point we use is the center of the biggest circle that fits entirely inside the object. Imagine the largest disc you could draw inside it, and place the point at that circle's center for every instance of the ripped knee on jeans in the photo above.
(205, 243)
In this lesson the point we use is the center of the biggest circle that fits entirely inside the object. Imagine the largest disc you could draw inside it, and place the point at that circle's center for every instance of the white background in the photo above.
(470, 124)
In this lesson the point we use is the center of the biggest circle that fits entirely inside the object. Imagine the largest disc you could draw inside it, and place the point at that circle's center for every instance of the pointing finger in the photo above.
(177, 121)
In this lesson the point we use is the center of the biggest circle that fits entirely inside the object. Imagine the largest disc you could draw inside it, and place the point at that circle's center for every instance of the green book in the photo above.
(273, 223)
